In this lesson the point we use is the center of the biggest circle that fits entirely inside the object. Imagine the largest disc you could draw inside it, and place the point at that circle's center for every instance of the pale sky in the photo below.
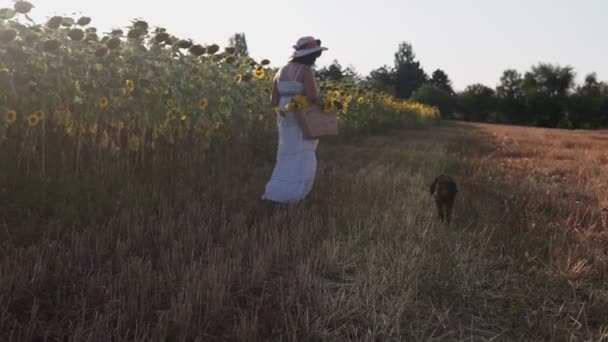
(472, 40)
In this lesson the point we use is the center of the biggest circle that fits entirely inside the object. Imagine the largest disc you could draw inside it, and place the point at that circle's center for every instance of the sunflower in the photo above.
(169, 103)
(203, 103)
(183, 118)
(105, 139)
(300, 101)
(336, 94)
(238, 79)
(361, 100)
(40, 115)
(290, 106)
(130, 86)
(134, 143)
(328, 106)
(33, 120)
(103, 102)
(11, 116)
(259, 73)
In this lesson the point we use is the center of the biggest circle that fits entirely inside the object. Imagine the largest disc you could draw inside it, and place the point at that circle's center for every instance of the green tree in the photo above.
(512, 101)
(382, 80)
(478, 103)
(586, 104)
(408, 74)
(333, 72)
(546, 88)
(239, 42)
(441, 80)
(432, 95)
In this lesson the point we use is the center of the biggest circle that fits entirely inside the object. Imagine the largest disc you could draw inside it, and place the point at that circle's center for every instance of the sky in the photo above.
(473, 41)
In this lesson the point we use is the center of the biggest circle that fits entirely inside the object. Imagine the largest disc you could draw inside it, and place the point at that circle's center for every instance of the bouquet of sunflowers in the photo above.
(330, 105)
(316, 119)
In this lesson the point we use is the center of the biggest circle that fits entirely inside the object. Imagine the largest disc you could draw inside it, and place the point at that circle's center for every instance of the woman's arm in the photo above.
(310, 85)
(274, 96)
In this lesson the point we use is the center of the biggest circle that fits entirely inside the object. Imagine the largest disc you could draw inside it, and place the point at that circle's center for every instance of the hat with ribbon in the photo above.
(306, 46)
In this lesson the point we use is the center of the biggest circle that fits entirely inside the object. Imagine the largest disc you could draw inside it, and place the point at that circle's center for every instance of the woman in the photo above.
(294, 173)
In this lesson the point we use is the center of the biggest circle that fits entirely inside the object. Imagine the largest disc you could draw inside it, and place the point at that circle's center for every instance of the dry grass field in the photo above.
(364, 259)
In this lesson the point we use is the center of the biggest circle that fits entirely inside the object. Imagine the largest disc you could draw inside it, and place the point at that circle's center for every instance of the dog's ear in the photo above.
(433, 185)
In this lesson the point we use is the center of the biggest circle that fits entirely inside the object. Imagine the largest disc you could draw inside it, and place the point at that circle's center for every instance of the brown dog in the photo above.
(444, 191)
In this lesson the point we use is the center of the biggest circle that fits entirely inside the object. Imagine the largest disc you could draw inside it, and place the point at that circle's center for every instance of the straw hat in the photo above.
(306, 46)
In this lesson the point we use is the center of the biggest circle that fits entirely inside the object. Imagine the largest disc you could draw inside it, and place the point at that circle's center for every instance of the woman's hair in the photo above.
(308, 59)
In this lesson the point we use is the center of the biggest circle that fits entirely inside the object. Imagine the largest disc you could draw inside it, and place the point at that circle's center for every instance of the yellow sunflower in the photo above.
(130, 86)
(301, 101)
(11, 116)
(328, 106)
(238, 79)
(40, 114)
(134, 143)
(33, 120)
(170, 104)
(259, 74)
(103, 102)
(203, 103)
(361, 100)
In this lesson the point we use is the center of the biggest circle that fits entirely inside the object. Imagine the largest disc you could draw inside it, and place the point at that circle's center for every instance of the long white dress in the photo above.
(296, 166)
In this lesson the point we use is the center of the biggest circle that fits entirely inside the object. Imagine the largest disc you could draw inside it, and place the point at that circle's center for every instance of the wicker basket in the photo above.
(316, 123)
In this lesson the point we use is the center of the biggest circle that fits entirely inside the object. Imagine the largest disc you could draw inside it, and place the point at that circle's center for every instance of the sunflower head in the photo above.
(361, 100)
(238, 79)
(130, 86)
(11, 116)
(40, 114)
(169, 103)
(259, 73)
(113, 43)
(84, 21)
(103, 102)
(7, 35)
(328, 106)
(134, 143)
(203, 103)
(300, 101)
(76, 34)
(33, 120)
(101, 52)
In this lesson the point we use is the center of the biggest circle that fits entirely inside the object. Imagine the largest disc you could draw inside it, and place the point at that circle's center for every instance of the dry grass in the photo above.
(364, 259)
(560, 180)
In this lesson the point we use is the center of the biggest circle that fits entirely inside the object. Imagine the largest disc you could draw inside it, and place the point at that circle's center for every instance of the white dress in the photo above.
(296, 166)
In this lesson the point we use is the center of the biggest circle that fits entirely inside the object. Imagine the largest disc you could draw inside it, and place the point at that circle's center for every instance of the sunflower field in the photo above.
(83, 113)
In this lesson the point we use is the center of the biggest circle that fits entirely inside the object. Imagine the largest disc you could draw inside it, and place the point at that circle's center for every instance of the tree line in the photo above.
(545, 96)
